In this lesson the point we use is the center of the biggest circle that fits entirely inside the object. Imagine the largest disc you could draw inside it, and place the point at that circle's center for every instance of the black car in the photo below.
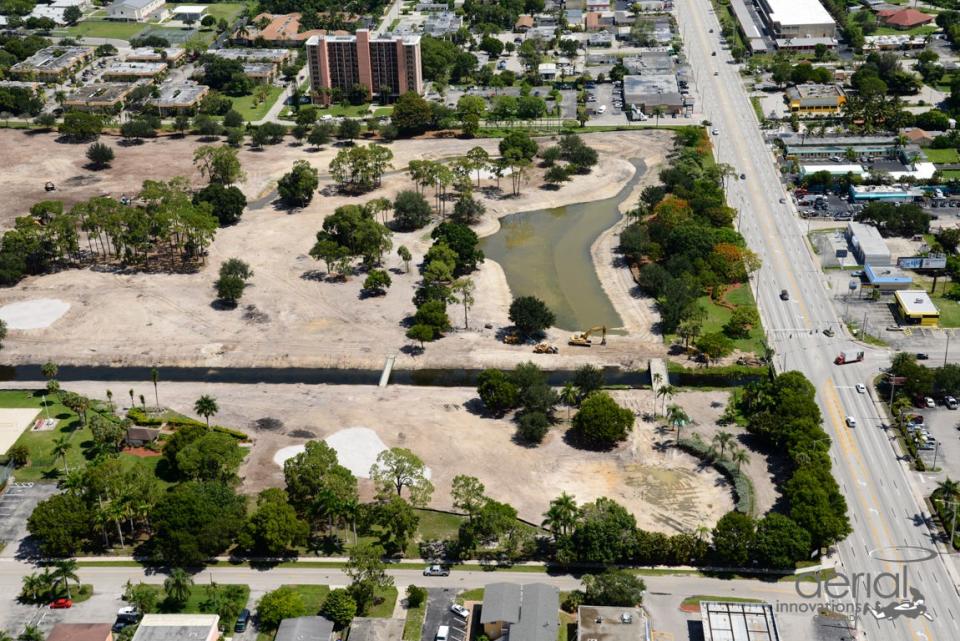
(242, 620)
(922, 357)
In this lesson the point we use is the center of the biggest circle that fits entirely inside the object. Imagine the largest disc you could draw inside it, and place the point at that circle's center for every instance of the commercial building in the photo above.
(915, 308)
(520, 612)
(339, 62)
(724, 621)
(647, 93)
(260, 72)
(612, 624)
(173, 56)
(103, 97)
(276, 57)
(889, 193)
(887, 279)
(834, 169)
(189, 13)
(442, 23)
(904, 18)
(132, 71)
(523, 24)
(52, 64)
(178, 627)
(797, 18)
(179, 97)
(81, 632)
(304, 629)
(891, 42)
(801, 147)
(811, 99)
(136, 10)
(650, 63)
(370, 629)
(868, 245)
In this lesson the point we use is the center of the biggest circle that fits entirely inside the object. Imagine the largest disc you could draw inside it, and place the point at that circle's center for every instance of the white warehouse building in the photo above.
(797, 19)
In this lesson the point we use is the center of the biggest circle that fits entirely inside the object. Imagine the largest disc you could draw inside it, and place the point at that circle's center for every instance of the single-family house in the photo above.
(520, 612)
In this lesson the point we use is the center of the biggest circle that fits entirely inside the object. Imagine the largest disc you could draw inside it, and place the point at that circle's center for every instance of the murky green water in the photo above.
(546, 253)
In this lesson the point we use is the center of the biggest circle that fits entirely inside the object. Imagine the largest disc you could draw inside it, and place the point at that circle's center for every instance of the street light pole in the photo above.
(936, 449)
(947, 351)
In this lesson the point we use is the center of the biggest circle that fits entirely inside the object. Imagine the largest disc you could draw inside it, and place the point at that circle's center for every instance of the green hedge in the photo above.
(742, 486)
(140, 417)
(727, 376)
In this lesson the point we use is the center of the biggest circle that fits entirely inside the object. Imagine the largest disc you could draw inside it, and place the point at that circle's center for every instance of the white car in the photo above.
(851, 422)
(601, 109)
(861, 388)
(459, 610)
(930, 402)
(716, 132)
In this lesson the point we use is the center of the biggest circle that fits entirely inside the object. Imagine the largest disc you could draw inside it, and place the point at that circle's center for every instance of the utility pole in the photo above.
(863, 327)
(946, 351)
(936, 450)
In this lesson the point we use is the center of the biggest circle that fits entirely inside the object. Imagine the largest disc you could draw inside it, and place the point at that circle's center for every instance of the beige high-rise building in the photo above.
(380, 64)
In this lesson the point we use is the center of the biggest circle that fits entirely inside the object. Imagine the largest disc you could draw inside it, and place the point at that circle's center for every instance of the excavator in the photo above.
(583, 340)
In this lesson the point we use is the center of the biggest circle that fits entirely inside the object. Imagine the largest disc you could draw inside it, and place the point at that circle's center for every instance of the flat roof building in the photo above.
(106, 97)
(604, 623)
(178, 627)
(52, 64)
(171, 55)
(797, 18)
(724, 621)
(887, 279)
(653, 90)
(135, 10)
(387, 63)
(371, 629)
(442, 23)
(274, 56)
(811, 99)
(801, 146)
(179, 97)
(866, 193)
(134, 70)
(868, 245)
(81, 632)
(259, 71)
(834, 169)
(916, 308)
(189, 12)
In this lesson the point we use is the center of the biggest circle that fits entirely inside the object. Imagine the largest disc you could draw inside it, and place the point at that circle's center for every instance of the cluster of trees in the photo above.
(906, 220)
(493, 17)
(165, 227)
(226, 76)
(232, 281)
(445, 62)
(579, 156)
(20, 101)
(783, 71)
(352, 232)
(359, 169)
(782, 412)
(684, 238)
(296, 187)
(920, 381)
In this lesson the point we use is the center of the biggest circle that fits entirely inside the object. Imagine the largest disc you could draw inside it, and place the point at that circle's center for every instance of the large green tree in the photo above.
(194, 521)
(601, 422)
(397, 469)
(274, 528)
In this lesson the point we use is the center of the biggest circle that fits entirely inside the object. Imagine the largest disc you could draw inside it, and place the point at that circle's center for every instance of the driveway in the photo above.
(16, 505)
(438, 613)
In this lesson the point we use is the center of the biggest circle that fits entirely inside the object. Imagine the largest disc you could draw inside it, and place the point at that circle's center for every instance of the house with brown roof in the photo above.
(524, 24)
(138, 436)
(282, 29)
(591, 21)
(81, 632)
(905, 18)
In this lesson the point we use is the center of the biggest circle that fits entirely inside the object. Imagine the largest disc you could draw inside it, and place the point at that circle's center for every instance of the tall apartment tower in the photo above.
(343, 61)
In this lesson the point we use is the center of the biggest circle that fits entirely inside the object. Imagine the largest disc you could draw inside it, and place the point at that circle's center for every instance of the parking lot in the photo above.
(941, 423)
(16, 505)
(438, 613)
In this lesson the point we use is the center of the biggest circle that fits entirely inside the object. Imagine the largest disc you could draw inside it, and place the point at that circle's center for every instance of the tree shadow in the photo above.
(221, 305)
(412, 350)
(573, 438)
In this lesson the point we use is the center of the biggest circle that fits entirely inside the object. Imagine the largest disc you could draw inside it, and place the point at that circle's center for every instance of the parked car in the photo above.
(929, 402)
(851, 422)
(436, 570)
(922, 356)
(243, 619)
(784, 294)
(861, 388)
(61, 604)
(443, 633)
(459, 610)
(950, 402)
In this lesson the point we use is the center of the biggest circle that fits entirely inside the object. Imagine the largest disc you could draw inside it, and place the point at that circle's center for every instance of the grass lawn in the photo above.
(250, 111)
(312, 595)
(81, 595)
(925, 30)
(42, 463)
(942, 156)
(384, 609)
(383, 111)
(949, 309)
(198, 595)
(475, 594)
(353, 111)
(951, 174)
(697, 598)
(757, 107)
(717, 316)
(105, 29)
(414, 623)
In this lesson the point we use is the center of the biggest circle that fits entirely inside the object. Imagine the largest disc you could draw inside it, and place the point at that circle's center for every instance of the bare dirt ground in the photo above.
(664, 488)
(289, 316)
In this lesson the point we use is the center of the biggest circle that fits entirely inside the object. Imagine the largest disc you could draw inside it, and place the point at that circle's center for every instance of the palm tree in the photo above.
(49, 370)
(61, 446)
(65, 570)
(739, 456)
(677, 417)
(562, 514)
(155, 377)
(722, 439)
(667, 392)
(177, 585)
(35, 588)
(110, 399)
(131, 399)
(569, 396)
(206, 406)
(31, 633)
(657, 112)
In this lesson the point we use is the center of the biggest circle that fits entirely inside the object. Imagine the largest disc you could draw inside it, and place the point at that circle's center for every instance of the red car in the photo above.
(61, 604)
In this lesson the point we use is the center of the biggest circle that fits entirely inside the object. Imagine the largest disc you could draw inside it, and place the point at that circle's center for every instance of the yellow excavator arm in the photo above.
(583, 339)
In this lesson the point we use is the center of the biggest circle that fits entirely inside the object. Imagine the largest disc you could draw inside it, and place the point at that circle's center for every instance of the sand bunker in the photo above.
(13, 421)
(33, 314)
(357, 449)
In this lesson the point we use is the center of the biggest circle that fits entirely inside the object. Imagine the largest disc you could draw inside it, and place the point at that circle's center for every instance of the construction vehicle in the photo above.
(49, 186)
(511, 339)
(545, 348)
(583, 340)
(845, 358)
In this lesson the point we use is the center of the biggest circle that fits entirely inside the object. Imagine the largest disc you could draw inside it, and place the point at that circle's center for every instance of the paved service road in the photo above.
(885, 503)
(438, 613)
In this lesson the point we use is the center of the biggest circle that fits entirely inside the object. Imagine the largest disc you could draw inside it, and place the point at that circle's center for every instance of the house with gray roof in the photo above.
(524, 612)
(305, 629)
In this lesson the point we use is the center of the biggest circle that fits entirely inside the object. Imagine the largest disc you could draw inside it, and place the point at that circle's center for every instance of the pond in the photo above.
(546, 253)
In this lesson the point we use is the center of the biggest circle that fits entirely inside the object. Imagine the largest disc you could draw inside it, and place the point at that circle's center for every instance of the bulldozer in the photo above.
(545, 348)
(511, 339)
(583, 340)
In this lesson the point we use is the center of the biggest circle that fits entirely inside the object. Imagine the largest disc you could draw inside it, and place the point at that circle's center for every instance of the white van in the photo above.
(443, 632)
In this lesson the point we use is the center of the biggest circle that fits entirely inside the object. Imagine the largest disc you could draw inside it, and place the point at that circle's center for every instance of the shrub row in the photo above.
(140, 417)
(743, 487)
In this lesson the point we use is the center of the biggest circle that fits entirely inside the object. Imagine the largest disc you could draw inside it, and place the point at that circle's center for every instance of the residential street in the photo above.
(885, 501)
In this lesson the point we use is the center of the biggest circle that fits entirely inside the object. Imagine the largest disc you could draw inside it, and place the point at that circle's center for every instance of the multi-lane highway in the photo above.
(885, 503)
